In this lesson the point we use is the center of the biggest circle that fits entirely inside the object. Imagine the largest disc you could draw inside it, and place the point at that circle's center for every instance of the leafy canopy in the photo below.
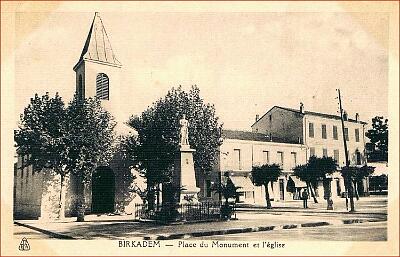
(41, 133)
(356, 173)
(262, 175)
(90, 136)
(378, 136)
(316, 169)
(76, 138)
(157, 142)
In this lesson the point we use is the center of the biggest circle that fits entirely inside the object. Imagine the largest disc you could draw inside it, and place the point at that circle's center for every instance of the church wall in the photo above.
(27, 196)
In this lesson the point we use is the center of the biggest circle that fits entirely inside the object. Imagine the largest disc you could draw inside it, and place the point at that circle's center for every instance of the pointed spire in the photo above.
(97, 46)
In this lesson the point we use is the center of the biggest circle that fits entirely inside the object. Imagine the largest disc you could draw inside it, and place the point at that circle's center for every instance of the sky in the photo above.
(243, 62)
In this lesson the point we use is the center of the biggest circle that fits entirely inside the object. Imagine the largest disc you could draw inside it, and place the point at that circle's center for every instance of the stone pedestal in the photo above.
(184, 174)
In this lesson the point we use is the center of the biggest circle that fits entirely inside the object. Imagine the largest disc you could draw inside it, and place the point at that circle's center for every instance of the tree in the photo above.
(41, 136)
(90, 138)
(317, 169)
(263, 175)
(74, 139)
(154, 149)
(322, 168)
(306, 175)
(357, 174)
(378, 136)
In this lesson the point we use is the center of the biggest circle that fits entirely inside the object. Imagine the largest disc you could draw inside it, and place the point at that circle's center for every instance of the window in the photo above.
(312, 151)
(335, 134)
(280, 158)
(270, 117)
(208, 188)
(266, 157)
(311, 129)
(323, 127)
(336, 155)
(102, 87)
(294, 159)
(236, 159)
(325, 152)
(346, 134)
(358, 157)
(357, 135)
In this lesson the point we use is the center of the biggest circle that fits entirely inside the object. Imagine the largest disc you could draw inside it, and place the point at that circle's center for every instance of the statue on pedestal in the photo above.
(184, 173)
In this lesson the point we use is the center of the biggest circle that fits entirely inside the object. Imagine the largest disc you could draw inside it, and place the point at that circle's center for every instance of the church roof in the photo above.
(97, 46)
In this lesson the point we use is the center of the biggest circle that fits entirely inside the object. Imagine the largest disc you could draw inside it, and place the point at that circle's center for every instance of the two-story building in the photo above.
(321, 134)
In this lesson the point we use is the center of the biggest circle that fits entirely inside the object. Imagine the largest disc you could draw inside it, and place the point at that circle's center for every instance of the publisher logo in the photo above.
(24, 245)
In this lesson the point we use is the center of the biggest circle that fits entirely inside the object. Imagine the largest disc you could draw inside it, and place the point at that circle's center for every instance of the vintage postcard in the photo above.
(199, 128)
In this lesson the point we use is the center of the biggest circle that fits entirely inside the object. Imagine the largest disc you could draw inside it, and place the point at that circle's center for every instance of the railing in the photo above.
(203, 211)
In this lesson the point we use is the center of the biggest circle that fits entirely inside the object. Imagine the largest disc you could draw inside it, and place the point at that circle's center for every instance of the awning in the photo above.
(298, 182)
(244, 183)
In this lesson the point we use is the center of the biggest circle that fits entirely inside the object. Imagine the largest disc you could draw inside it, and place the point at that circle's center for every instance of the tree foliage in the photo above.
(378, 136)
(321, 167)
(73, 139)
(90, 136)
(154, 148)
(41, 133)
(357, 174)
(265, 173)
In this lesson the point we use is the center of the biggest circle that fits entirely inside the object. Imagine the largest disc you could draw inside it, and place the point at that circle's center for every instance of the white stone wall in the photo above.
(252, 154)
(332, 144)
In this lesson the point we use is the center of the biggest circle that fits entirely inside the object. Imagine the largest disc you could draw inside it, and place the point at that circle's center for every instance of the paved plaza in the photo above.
(283, 222)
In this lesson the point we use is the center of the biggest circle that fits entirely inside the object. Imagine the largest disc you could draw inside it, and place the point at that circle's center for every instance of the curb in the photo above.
(232, 231)
(255, 229)
(277, 211)
(46, 232)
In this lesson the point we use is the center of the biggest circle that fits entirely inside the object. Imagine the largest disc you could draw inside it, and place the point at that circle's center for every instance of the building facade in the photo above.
(242, 150)
(320, 133)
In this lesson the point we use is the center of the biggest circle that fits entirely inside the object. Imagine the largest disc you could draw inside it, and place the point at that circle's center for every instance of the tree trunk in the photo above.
(81, 205)
(61, 209)
(312, 192)
(267, 196)
(356, 190)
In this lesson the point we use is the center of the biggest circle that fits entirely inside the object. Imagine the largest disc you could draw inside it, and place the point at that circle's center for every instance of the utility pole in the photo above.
(347, 178)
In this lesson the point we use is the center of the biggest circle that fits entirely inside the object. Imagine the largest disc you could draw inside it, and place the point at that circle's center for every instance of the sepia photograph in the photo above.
(200, 128)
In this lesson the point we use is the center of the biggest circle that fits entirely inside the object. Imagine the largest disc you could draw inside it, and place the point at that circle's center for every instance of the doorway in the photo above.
(103, 190)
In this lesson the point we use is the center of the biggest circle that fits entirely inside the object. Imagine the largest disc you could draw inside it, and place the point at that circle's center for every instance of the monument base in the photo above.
(184, 175)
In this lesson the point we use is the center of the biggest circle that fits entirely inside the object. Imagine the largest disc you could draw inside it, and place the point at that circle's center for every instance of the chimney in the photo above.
(344, 115)
(301, 108)
(357, 117)
(257, 117)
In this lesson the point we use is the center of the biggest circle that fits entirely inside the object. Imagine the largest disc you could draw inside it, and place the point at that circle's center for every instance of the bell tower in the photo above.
(98, 71)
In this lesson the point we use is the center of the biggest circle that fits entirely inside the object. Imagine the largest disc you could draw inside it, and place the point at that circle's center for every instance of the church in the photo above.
(37, 194)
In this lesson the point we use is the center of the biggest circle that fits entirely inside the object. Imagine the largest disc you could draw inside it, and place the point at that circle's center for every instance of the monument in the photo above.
(184, 174)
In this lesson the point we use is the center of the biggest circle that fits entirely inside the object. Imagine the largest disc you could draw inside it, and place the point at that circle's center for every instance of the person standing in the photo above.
(304, 195)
